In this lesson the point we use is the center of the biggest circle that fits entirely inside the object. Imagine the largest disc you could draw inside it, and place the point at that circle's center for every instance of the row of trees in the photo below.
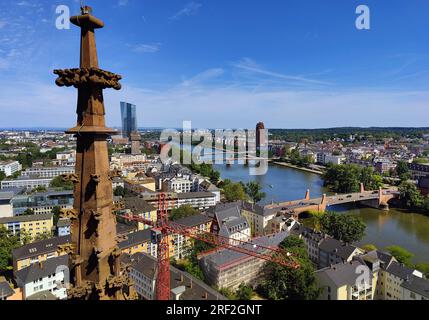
(412, 198)
(296, 159)
(282, 283)
(343, 227)
(236, 191)
(346, 178)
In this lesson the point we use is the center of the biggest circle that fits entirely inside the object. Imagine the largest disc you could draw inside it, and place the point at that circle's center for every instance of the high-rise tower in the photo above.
(129, 119)
(95, 265)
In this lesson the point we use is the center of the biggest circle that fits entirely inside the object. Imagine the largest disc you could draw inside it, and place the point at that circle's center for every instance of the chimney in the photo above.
(181, 278)
(191, 285)
(205, 296)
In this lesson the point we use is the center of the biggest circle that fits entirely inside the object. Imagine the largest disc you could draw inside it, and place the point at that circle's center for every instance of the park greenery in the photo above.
(8, 242)
(238, 191)
(361, 134)
(346, 178)
(296, 159)
(59, 183)
(284, 283)
(244, 292)
(233, 191)
(190, 264)
(343, 227)
(183, 212)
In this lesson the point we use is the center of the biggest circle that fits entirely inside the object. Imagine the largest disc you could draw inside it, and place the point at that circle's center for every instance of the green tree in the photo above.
(369, 247)
(342, 178)
(401, 254)
(28, 212)
(424, 268)
(283, 283)
(2, 176)
(244, 292)
(59, 183)
(234, 192)
(343, 227)
(253, 190)
(402, 171)
(119, 191)
(228, 293)
(214, 176)
(57, 213)
(183, 212)
(8, 242)
(410, 195)
(43, 236)
(370, 179)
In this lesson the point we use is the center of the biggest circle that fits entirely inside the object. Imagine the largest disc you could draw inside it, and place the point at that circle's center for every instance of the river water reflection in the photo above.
(396, 227)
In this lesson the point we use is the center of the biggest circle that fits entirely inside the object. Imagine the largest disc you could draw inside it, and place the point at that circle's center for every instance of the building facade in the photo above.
(129, 119)
(10, 167)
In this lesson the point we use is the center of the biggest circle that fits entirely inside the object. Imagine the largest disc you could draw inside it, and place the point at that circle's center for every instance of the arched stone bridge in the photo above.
(377, 199)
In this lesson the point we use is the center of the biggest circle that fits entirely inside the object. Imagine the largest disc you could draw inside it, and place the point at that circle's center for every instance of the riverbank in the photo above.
(288, 165)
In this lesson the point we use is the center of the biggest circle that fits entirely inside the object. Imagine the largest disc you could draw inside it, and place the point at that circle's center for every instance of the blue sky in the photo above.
(225, 64)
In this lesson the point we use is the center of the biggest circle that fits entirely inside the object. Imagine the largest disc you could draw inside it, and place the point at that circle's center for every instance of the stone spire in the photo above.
(95, 267)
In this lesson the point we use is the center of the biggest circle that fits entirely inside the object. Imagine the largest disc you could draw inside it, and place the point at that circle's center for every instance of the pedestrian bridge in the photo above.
(377, 199)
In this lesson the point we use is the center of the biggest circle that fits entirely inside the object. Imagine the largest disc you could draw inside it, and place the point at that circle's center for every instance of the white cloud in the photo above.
(249, 66)
(190, 9)
(203, 76)
(122, 3)
(147, 48)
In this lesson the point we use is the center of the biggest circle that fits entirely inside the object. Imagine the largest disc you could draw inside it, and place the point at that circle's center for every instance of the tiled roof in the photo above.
(135, 238)
(5, 289)
(417, 285)
(338, 248)
(193, 221)
(146, 265)
(39, 247)
(343, 273)
(41, 270)
(34, 217)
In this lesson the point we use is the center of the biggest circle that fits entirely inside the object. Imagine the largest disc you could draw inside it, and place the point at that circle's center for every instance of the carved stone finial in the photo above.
(70, 178)
(88, 77)
(67, 248)
(115, 174)
(95, 178)
(71, 214)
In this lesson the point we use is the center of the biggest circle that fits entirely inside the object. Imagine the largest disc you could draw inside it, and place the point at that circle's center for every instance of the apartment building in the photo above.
(33, 225)
(229, 269)
(37, 252)
(42, 202)
(49, 276)
(6, 209)
(198, 200)
(229, 223)
(179, 185)
(342, 282)
(374, 275)
(332, 251)
(9, 168)
(258, 217)
(183, 285)
(24, 182)
(139, 207)
(47, 172)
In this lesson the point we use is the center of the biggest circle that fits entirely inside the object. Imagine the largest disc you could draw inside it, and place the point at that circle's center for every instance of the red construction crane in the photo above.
(162, 228)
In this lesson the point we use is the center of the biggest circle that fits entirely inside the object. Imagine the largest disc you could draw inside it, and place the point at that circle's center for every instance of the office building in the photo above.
(129, 119)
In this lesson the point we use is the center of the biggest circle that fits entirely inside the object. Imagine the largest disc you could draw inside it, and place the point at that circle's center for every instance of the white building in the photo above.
(47, 276)
(198, 200)
(10, 167)
(6, 209)
(29, 183)
(326, 158)
(47, 172)
(180, 185)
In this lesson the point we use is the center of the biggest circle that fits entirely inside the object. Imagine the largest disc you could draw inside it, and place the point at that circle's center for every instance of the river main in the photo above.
(395, 227)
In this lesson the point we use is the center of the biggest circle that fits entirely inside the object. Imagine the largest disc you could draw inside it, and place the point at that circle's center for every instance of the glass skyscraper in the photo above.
(129, 119)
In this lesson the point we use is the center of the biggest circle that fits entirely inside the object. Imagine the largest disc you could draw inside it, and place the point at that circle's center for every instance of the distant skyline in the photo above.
(225, 64)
